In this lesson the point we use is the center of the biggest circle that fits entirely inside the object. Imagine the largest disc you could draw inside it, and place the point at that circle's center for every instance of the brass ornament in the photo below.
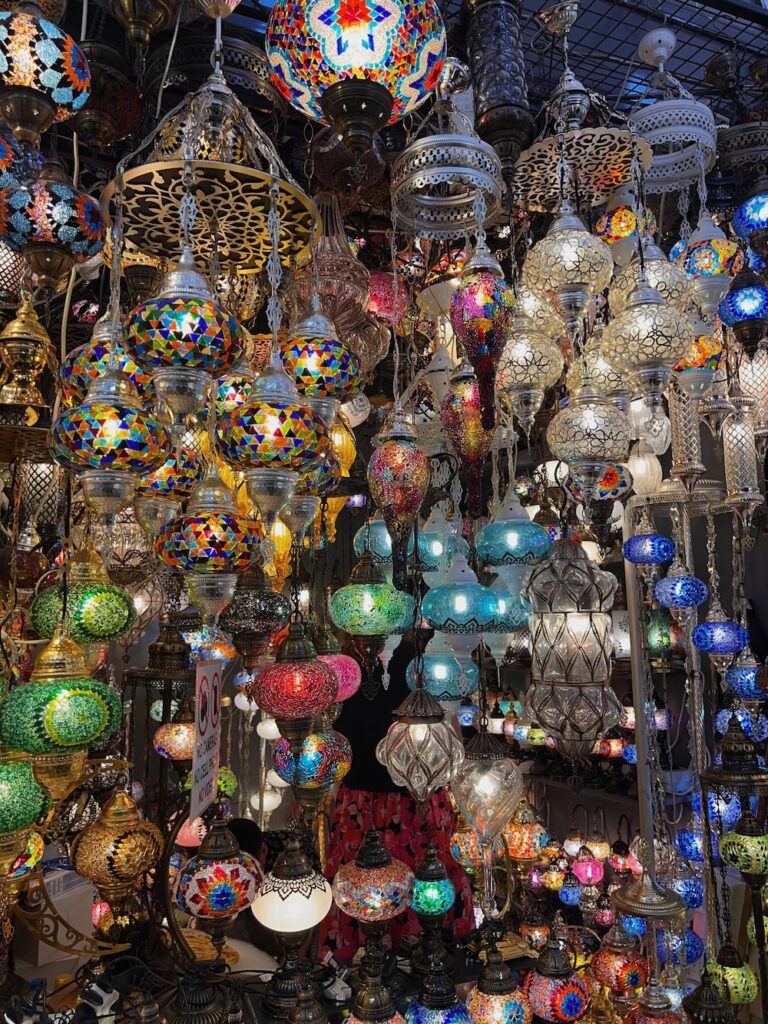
(25, 349)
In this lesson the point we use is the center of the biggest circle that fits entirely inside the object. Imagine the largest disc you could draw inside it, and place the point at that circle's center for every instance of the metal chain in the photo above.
(395, 301)
(274, 269)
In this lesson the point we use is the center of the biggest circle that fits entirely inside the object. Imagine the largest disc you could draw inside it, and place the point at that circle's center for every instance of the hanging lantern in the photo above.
(420, 751)
(667, 278)
(60, 708)
(529, 364)
(568, 267)
(750, 221)
(679, 591)
(482, 309)
(524, 833)
(318, 363)
(141, 21)
(744, 308)
(52, 224)
(357, 74)
(605, 377)
(325, 759)
(233, 388)
(462, 421)
(25, 349)
(160, 493)
(709, 259)
(733, 980)
(175, 740)
(740, 458)
(184, 336)
(44, 77)
(109, 440)
(398, 478)
(554, 990)
(88, 362)
(588, 434)
(375, 538)
(746, 847)
(443, 675)
(256, 614)
(114, 109)
(695, 371)
(510, 542)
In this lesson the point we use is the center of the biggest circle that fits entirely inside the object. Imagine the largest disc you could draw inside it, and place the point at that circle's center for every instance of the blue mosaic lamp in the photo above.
(719, 637)
(689, 887)
(755, 726)
(511, 539)
(689, 842)
(750, 221)
(743, 678)
(570, 890)
(744, 308)
(630, 753)
(635, 927)
(649, 549)
(681, 950)
(724, 807)
(679, 591)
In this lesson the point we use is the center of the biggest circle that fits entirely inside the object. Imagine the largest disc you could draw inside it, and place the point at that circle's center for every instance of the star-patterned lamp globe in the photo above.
(461, 416)
(720, 637)
(374, 886)
(746, 847)
(325, 759)
(669, 280)
(744, 308)
(710, 258)
(743, 678)
(529, 364)
(220, 880)
(87, 363)
(357, 67)
(44, 75)
(679, 591)
(60, 708)
(109, 441)
(53, 224)
(648, 549)
(319, 363)
(482, 311)
(619, 965)
(398, 478)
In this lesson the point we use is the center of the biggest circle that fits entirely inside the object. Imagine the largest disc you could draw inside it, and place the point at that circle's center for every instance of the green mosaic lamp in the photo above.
(22, 802)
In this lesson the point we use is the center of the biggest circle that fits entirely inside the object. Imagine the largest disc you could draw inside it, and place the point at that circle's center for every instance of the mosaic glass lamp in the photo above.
(87, 362)
(734, 981)
(44, 76)
(496, 999)
(22, 799)
(325, 759)
(696, 370)
(555, 992)
(746, 847)
(750, 221)
(233, 388)
(346, 669)
(368, 605)
(432, 898)
(318, 362)
(374, 887)
(744, 308)
(297, 686)
(709, 258)
(679, 591)
(60, 708)
(461, 416)
(649, 549)
(175, 740)
(743, 679)
(355, 70)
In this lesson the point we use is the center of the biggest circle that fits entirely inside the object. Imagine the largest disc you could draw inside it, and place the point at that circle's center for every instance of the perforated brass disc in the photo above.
(600, 160)
(233, 203)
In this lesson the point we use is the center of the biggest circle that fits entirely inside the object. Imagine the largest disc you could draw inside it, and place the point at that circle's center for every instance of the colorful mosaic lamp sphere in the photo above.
(750, 221)
(346, 669)
(60, 708)
(175, 478)
(22, 799)
(648, 549)
(743, 679)
(325, 759)
(44, 76)
(720, 637)
(318, 362)
(220, 880)
(233, 388)
(744, 308)
(733, 980)
(679, 591)
(53, 224)
(87, 363)
(368, 605)
(375, 886)
(211, 536)
(183, 326)
(358, 70)
(382, 301)
(556, 993)
(496, 999)
(274, 429)
(461, 417)
(696, 370)
(746, 848)
(619, 965)
(679, 950)
(482, 312)
(433, 892)
(297, 685)
(398, 478)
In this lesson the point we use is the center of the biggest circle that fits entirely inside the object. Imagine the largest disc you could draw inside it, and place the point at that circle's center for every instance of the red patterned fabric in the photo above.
(406, 828)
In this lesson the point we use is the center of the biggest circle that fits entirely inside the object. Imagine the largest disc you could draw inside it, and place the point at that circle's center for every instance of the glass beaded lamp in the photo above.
(443, 675)
(420, 750)
(185, 336)
(109, 441)
(398, 477)
(554, 990)
(496, 999)
(588, 434)
(346, 669)
(719, 636)
(318, 362)
(44, 77)
(87, 362)
(681, 950)
(648, 339)
(750, 221)
(587, 867)
(529, 364)
(733, 980)
(746, 847)
(219, 882)
(744, 308)
(432, 897)
(175, 740)
(482, 309)
(325, 759)
(648, 549)
(460, 414)
(743, 678)
(358, 70)
(569, 266)
(60, 708)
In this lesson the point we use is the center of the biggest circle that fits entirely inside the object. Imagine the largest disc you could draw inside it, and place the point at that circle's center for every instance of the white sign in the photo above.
(205, 761)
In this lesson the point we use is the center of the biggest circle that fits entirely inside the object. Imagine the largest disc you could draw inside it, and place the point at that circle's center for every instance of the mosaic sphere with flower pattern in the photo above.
(50, 717)
(271, 435)
(322, 366)
(87, 362)
(399, 44)
(174, 478)
(52, 212)
(373, 894)
(557, 1000)
(216, 890)
(208, 542)
(325, 759)
(510, 1008)
(190, 332)
(109, 435)
(96, 612)
(615, 484)
(35, 54)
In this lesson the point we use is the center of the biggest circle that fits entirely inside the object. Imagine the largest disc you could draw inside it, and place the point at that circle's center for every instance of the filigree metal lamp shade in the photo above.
(44, 75)
(420, 751)
(668, 279)
(588, 434)
(648, 339)
(538, 310)
(322, 57)
(569, 266)
(740, 457)
(603, 374)
(375, 886)
(529, 364)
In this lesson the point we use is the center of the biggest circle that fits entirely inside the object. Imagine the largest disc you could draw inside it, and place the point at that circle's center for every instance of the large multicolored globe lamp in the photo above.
(372, 889)
(109, 441)
(496, 999)
(45, 75)
(356, 70)
(555, 992)
(320, 364)
(185, 337)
